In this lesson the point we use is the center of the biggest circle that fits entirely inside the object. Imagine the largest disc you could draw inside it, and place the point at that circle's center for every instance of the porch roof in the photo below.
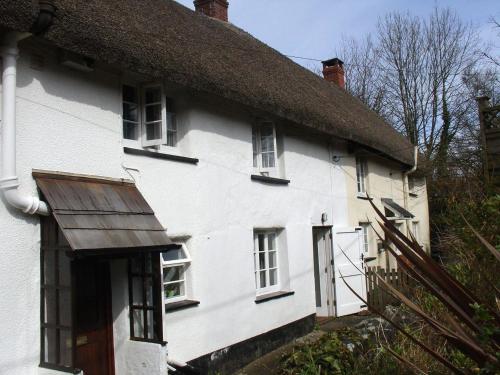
(400, 212)
(101, 215)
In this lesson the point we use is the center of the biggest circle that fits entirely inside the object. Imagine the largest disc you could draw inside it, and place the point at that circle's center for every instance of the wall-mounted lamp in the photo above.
(335, 158)
(324, 218)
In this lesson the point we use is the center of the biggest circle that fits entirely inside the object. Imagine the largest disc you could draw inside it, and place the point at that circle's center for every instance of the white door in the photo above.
(350, 240)
(323, 271)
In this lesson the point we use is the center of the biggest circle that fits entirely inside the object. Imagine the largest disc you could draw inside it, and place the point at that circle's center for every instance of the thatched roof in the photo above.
(164, 39)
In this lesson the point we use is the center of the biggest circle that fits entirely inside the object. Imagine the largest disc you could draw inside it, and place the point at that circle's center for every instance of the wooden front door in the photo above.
(94, 352)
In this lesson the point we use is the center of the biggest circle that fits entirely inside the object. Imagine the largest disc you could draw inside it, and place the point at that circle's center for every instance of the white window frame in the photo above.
(257, 270)
(361, 176)
(256, 129)
(166, 125)
(162, 102)
(365, 227)
(184, 263)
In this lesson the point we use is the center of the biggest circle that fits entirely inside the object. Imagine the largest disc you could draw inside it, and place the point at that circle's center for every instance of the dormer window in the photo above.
(148, 116)
(264, 148)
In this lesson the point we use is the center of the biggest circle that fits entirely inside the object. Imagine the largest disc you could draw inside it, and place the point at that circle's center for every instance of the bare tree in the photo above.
(364, 78)
(404, 58)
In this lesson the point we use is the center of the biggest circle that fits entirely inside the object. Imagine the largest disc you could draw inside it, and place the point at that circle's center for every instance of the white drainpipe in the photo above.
(406, 186)
(9, 182)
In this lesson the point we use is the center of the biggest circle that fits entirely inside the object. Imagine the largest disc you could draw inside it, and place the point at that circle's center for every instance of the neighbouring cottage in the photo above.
(167, 177)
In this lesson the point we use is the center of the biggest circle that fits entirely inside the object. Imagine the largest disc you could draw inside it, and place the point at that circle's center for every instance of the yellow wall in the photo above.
(385, 179)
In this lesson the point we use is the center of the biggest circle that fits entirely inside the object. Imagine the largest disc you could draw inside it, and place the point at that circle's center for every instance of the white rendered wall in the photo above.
(66, 121)
(218, 205)
(70, 121)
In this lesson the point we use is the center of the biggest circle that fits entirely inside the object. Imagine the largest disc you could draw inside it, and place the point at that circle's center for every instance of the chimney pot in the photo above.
(213, 8)
(333, 71)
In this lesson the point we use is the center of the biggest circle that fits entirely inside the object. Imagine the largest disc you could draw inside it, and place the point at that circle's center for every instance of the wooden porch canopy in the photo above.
(102, 216)
(400, 213)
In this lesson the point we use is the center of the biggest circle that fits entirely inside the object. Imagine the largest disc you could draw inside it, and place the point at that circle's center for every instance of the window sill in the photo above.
(181, 305)
(270, 296)
(363, 196)
(68, 370)
(150, 341)
(269, 180)
(160, 155)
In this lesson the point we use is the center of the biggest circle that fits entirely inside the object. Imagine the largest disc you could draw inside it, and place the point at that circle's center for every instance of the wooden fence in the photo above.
(377, 294)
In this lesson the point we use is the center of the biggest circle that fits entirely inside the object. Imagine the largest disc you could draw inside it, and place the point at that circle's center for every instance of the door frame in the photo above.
(106, 278)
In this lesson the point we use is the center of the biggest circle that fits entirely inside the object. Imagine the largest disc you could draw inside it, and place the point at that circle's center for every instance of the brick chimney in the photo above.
(333, 71)
(213, 8)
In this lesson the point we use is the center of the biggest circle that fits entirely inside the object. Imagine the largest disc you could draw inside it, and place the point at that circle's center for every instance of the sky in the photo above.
(314, 28)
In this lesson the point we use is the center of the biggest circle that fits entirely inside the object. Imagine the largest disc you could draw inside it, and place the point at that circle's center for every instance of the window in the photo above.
(266, 261)
(361, 172)
(145, 298)
(264, 147)
(364, 229)
(56, 298)
(148, 116)
(175, 263)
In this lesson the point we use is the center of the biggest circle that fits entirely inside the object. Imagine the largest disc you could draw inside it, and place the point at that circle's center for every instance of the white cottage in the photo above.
(166, 177)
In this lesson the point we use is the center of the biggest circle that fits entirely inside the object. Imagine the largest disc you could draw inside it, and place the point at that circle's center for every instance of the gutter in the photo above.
(9, 181)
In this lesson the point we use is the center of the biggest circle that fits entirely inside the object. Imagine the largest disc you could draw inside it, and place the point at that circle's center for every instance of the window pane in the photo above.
(130, 130)
(129, 94)
(169, 103)
(150, 327)
(272, 259)
(263, 279)
(64, 269)
(262, 261)
(136, 265)
(137, 291)
(49, 267)
(171, 121)
(267, 138)
(273, 277)
(50, 306)
(49, 345)
(149, 291)
(130, 112)
(138, 320)
(174, 254)
(171, 138)
(271, 237)
(262, 238)
(65, 348)
(254, 147)
(174, 290)
(149, 264)
(173, 273)
(268, 160)
(153, 113)
(153, 95)
(171, 129)
(153, 131)
(65, 307)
